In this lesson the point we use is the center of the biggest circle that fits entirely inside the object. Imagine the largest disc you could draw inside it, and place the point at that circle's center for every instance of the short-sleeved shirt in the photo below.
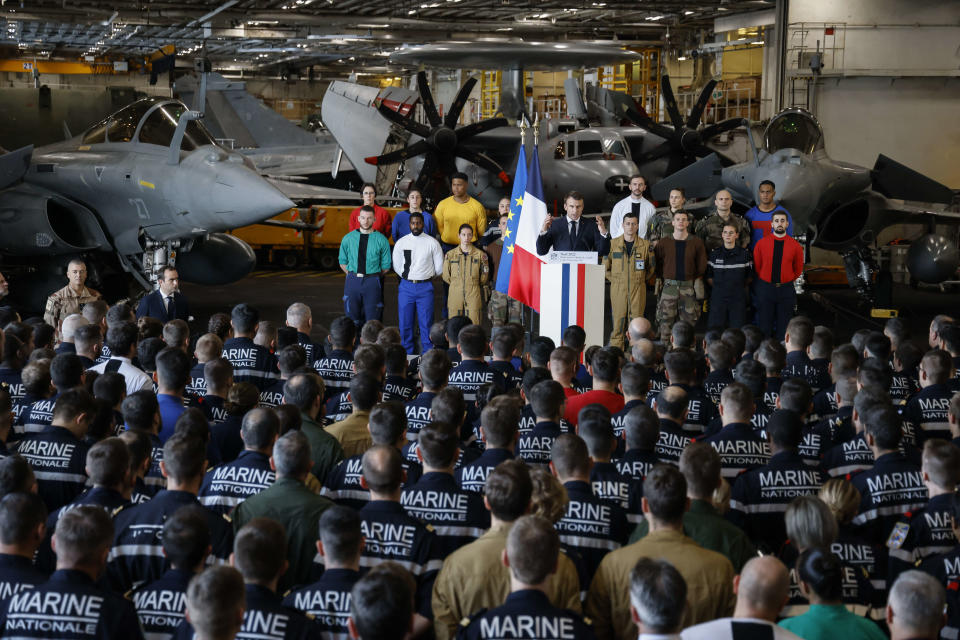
(450, 215)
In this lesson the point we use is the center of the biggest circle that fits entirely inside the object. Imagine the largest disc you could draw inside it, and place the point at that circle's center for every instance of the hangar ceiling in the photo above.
(330, 34)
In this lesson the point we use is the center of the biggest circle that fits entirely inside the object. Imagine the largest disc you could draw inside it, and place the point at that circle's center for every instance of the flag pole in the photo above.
(534, 325)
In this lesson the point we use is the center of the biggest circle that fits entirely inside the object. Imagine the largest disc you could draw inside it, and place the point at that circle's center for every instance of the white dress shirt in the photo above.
(623, 207)
(417, 257)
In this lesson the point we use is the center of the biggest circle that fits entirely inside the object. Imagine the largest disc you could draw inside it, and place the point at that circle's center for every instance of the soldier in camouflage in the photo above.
(710, 228)
(502, 309)
(70, 299)
(681, 259)
(661, 225)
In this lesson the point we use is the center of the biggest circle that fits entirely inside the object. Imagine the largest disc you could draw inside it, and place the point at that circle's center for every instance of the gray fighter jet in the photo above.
(145, 187)
(834, 205)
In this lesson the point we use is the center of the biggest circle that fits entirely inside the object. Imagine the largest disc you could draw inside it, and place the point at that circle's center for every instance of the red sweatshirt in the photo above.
(381, 220)
(791, 264)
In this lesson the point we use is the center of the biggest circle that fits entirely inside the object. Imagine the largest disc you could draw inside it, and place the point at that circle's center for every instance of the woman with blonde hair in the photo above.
(811, 525)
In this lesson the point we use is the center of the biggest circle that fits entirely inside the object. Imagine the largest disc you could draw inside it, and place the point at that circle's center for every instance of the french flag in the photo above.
(513, 222)
(524, 272)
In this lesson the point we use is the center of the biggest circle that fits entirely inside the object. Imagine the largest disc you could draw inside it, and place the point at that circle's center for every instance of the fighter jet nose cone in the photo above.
(247, 199)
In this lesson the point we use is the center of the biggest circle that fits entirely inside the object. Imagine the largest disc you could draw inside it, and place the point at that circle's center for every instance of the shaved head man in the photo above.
(639, 328)
(762, 588)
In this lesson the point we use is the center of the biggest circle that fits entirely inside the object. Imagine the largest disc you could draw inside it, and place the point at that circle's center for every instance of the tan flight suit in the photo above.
(65, 302)
(708, 574)
(473, 578)
(353, 433)
(627, 274)
(467, 276)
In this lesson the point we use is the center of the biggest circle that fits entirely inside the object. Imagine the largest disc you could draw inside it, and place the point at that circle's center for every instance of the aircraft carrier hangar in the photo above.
(619, 85)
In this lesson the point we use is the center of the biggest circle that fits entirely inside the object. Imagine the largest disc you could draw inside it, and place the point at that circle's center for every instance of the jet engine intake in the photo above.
(36, 221)
(216, 259)
(847, 224)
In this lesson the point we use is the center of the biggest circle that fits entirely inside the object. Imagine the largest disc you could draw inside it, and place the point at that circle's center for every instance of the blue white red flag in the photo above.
(524, 275)
(513, 222)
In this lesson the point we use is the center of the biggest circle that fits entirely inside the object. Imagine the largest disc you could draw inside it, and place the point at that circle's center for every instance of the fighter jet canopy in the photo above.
(793, 129)
(149, 121)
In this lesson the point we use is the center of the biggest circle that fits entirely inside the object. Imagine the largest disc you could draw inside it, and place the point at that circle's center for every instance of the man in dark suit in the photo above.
(572, 232)
(166, 303)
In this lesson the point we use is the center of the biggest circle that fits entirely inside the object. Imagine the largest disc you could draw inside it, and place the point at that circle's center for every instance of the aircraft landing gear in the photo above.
(861, 269)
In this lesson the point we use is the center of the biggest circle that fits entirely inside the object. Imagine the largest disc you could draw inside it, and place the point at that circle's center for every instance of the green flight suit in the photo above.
(289, 502)
(711, 531)
(325, 450)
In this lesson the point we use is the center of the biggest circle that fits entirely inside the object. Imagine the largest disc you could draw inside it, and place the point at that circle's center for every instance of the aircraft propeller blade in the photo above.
(399, 155)
(659, 151)
(483, 161)
(426, 99)
(453, 113)
(479, 127)
(646, 123)
(718, 128)
(672, 110)
(406, 122)
(694, 120)
(426, 171)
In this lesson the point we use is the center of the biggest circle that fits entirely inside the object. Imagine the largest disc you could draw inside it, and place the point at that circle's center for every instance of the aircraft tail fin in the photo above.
(350, 113)
(14, 164)
(576, 107)
(895, 180)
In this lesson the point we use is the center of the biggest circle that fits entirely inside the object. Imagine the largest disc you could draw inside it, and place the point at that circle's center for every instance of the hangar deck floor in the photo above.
(271, 291)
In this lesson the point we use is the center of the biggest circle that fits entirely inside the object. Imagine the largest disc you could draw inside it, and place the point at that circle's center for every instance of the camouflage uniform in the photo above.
(65, 302)
(661, 225)
(627, 274)
(677, 300)
(710, 228)
(503, 309)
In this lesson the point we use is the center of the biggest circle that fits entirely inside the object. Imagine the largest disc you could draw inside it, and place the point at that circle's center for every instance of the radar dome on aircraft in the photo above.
(933, 258)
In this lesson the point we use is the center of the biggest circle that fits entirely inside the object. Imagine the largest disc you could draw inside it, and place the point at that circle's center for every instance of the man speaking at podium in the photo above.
(572, 232)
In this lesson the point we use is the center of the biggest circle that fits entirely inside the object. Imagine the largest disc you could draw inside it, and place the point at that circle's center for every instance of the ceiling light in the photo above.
(688, 13)
(682, 58)
(652, 18)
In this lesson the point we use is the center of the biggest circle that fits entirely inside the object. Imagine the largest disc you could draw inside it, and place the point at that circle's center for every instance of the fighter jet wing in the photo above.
(300, 191)
(701, 179)
(14, 164)
(894, 180)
